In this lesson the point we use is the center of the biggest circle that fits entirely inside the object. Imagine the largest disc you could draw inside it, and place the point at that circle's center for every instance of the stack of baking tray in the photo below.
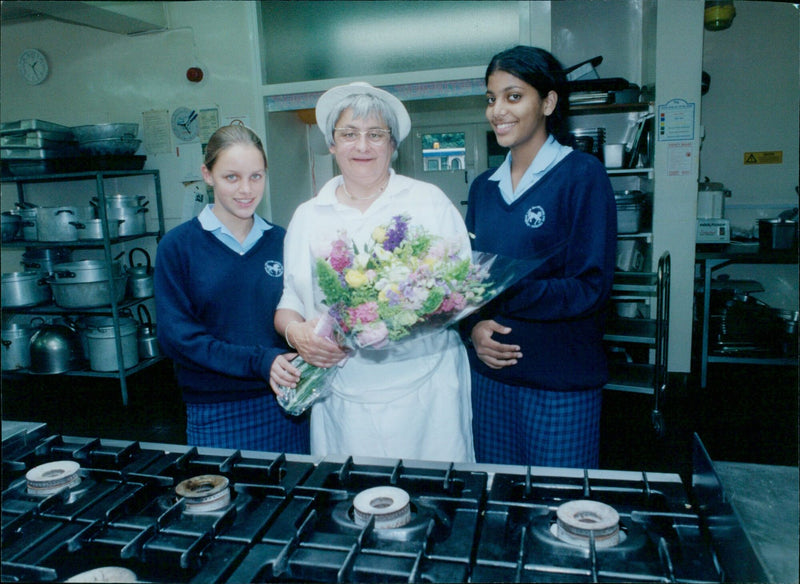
(36, 147)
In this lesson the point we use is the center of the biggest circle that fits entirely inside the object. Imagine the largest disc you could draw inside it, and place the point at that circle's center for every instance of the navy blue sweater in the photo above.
(215, 312)
(557, 314)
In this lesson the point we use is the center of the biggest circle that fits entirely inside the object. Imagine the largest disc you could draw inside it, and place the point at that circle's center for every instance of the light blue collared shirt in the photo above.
(550, 154)
(211, 222)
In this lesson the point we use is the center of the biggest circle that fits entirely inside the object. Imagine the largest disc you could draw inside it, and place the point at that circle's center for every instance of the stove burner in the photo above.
(204, 493)
(578, 521)
(105, 574)
(51, 477)
(389, 505)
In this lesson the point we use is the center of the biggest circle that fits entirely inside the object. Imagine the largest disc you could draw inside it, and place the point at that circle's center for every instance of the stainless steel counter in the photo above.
(767, 501)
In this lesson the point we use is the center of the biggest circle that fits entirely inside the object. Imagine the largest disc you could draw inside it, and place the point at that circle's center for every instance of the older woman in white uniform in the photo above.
(410, 400)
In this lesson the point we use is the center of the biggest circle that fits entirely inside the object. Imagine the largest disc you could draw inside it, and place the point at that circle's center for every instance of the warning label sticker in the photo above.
(774, 157)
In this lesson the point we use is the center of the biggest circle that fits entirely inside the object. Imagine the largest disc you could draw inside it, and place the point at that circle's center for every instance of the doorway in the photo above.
(448, 156)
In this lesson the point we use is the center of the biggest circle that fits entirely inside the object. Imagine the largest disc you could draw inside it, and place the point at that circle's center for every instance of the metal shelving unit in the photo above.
(711, 261)
(115, 308)
(653, 333)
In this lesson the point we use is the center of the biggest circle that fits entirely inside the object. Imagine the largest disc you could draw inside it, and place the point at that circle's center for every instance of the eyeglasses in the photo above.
(375, 136)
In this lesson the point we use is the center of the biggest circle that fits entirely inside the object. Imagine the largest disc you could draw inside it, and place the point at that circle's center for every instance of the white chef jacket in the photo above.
(412, 399)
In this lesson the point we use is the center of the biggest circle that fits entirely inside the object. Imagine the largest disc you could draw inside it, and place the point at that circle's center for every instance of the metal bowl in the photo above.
(105, 131)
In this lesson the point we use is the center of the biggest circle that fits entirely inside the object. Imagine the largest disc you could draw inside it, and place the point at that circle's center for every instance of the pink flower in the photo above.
(363, 313)
(452, 303)
(376, 336)
(341, 256)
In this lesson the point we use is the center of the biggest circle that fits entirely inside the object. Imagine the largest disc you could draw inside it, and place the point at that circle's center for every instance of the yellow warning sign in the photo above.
(774, 157)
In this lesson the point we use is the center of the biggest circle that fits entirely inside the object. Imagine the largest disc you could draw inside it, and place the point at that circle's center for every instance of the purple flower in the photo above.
(396, 234)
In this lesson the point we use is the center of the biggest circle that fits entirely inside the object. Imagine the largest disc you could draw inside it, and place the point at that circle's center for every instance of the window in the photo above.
(444, 151)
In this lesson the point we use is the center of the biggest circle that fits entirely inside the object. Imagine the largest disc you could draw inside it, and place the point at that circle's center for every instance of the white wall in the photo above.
(99, 77)
(752, 106)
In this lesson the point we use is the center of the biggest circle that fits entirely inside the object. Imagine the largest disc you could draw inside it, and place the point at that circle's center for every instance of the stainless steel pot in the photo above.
(55, 348)
(101, 341)
(93, 229)
(92, 294)
(10, 226)
(146, 337)
(133, 219)
(24, 289)
(87, 270)
(140, 276)
(16, 345)
(29, 223)
(58, 223)
(777, 234)
(121, 201)
(44, 259)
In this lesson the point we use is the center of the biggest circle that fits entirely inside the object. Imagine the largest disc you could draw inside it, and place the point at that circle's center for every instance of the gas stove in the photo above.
(91, 508)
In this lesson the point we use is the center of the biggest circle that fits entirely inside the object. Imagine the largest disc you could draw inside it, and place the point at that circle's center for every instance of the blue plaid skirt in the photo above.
(251, 424)
(537, 427)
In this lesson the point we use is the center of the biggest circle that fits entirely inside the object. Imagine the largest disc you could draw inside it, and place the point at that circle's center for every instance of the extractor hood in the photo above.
(116, 17)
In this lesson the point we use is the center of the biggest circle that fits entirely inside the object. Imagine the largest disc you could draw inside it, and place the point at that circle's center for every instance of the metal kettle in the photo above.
(146, 337)
(55, 348)
(140, 276)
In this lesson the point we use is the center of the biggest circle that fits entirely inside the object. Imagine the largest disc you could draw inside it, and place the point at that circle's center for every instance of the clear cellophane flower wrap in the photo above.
(403, 284)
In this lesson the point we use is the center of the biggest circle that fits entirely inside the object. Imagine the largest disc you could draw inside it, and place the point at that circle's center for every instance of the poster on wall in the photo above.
(676, 121)
(156, 130)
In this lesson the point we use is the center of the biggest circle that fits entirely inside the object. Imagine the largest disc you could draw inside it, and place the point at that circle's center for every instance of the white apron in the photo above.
(412, 402)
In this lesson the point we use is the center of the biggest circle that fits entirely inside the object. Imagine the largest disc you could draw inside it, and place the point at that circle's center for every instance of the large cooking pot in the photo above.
(10, 226)
(44, 259)
(102, 345)
(85, 283)
(140, 276)
(16, 344)
(133, 219)
(28, 220)
(55, 348)
(87, 294)
(93, 229)
(777, 234)
(121, 201)
(711, 200)
(24, 289)
(88, 270)
(58, 223)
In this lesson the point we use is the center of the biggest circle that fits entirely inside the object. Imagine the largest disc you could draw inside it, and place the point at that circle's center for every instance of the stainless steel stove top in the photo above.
(169, 513)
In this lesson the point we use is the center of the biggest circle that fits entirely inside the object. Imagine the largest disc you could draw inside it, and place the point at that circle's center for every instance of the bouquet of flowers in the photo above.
(404, 282)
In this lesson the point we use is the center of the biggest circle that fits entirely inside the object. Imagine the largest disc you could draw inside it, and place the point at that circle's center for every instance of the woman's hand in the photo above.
(282, 372)
(496, 355)
(316, 350)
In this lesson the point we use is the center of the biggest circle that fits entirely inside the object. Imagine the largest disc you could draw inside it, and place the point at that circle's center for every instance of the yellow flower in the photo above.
(355, 278)
(391, 288)
(379, 234)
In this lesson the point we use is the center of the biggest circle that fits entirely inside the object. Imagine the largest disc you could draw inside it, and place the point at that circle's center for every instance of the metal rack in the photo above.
(711, 261)
(99, 177)
(653, 333)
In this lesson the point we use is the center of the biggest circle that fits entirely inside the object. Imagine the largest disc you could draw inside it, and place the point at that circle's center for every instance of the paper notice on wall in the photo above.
(155, 128)
(189, 160)
(194, 199)
(208, 123)
(679, 159)
(676, 120)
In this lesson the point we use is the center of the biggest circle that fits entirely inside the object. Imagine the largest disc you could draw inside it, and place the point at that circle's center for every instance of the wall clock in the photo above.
(184, 124)
(32, 65)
